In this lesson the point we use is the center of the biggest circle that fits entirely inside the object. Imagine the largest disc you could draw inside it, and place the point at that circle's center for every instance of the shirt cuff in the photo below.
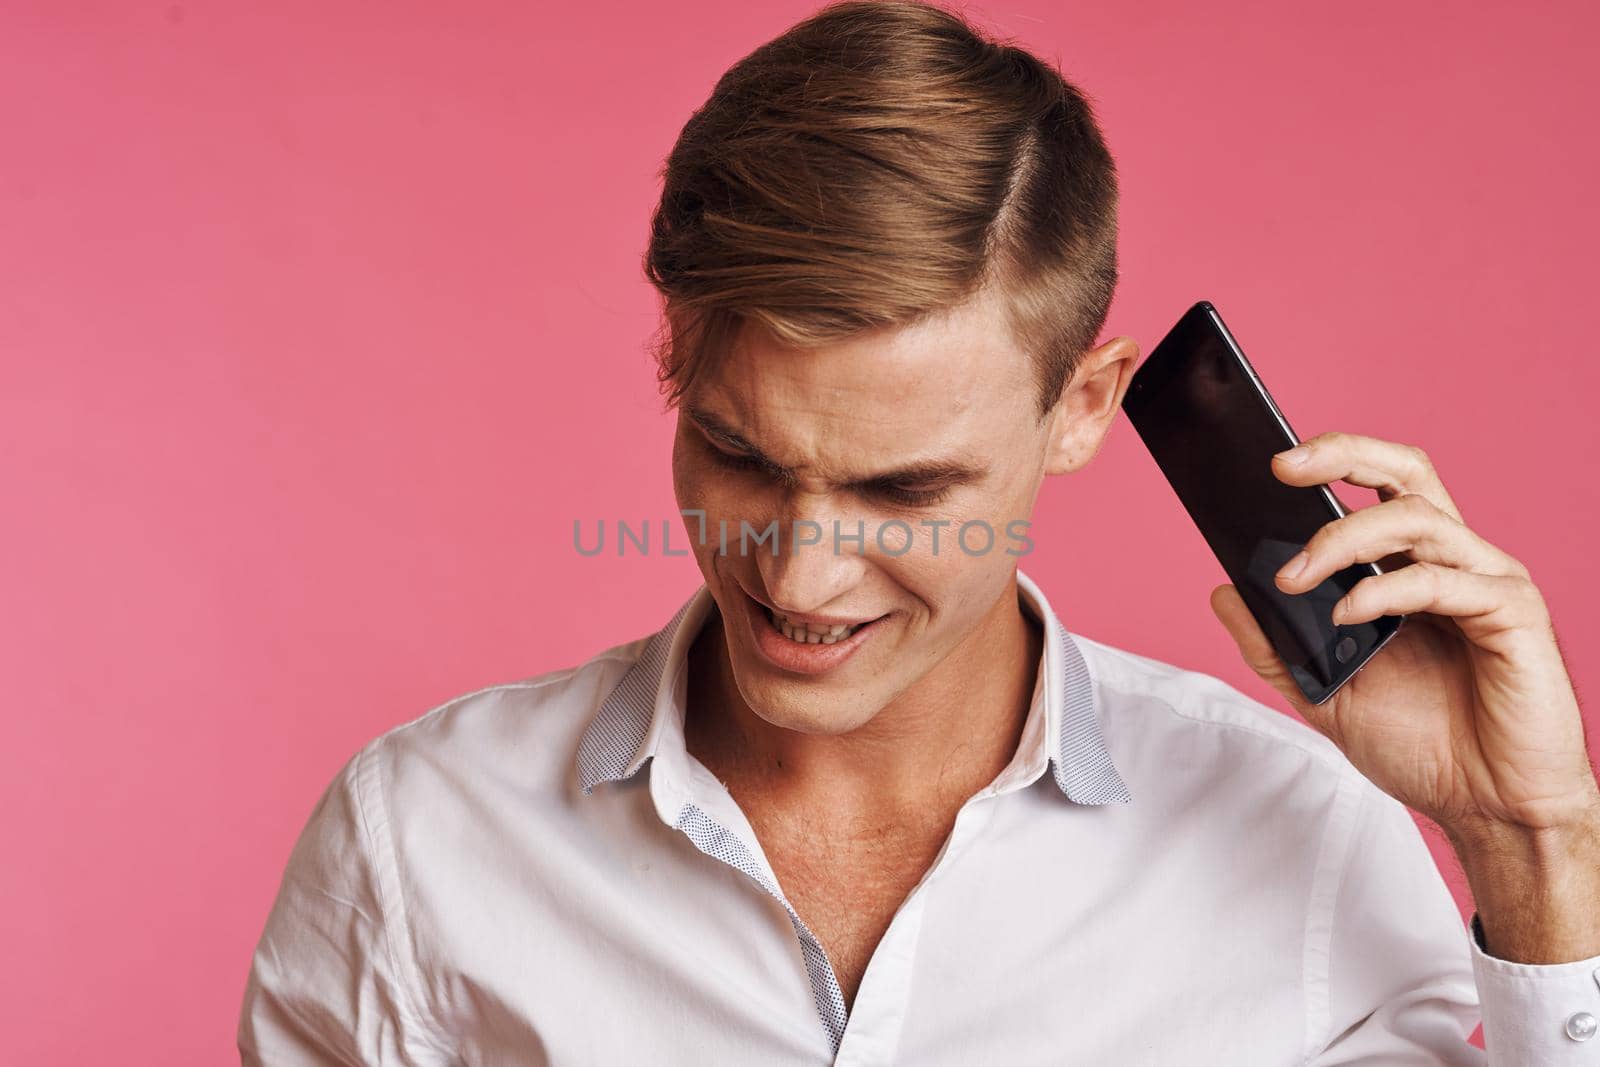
(1544, 1013)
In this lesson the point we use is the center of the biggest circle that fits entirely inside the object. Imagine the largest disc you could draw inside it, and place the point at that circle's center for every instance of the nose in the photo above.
(811, 578)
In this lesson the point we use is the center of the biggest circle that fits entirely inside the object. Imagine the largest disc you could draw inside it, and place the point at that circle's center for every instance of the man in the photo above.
(864, 799)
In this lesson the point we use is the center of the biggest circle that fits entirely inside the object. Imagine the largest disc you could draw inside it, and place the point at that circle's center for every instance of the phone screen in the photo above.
(1212, 428)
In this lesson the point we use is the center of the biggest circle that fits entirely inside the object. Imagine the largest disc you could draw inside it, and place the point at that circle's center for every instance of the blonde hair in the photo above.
(879, 162)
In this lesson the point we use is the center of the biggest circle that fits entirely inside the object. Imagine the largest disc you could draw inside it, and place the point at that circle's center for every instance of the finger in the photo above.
(1483, 605)
(1261, 657)
(1408, 524)
(1390, 467)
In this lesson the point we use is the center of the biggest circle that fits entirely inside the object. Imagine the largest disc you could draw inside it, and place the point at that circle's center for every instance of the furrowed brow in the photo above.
(718, 430)
(941, 473)
(934, 473)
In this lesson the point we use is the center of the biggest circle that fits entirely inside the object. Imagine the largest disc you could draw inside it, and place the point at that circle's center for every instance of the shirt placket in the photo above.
(687, 812)
(878, 1015)
(867, 1035)
(717, 841)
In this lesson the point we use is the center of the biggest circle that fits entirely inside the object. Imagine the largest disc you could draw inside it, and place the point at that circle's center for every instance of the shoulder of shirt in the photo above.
(545, 706)
(1192, 699)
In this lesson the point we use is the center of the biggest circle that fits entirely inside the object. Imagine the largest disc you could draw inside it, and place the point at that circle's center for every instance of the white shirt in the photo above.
(1167, 872)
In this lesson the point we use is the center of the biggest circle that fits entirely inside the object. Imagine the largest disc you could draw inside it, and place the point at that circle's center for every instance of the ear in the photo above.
(1089, 404)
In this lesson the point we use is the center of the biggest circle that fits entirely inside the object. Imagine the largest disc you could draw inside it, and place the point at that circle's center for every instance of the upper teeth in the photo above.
(811, 633)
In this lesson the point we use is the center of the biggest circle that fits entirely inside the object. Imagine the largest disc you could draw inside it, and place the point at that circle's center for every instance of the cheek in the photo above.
(704, 487)
(955, 584)
(701, 487)
(682, 479)
(957, 589)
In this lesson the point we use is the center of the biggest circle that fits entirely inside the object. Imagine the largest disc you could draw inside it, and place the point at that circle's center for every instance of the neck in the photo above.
(941, 740)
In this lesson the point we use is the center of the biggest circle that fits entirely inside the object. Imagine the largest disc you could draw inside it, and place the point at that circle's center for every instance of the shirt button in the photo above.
(1581, 1026)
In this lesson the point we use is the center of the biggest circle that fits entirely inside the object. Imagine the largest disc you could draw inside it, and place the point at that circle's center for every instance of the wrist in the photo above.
(1536, 889)
(1550, 845)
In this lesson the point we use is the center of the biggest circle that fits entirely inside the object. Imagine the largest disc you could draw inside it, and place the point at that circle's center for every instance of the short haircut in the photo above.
(880, 162)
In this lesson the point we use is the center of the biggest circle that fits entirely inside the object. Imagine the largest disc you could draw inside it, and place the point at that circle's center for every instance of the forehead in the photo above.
(955, 371)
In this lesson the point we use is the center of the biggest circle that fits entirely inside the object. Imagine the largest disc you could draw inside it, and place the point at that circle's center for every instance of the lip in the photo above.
(781, 652)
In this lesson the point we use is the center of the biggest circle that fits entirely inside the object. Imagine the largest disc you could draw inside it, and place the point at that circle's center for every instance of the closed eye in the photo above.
(740, 461)
(915, 498)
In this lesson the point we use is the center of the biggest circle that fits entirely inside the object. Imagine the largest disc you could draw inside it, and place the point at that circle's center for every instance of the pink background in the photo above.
(321, 324)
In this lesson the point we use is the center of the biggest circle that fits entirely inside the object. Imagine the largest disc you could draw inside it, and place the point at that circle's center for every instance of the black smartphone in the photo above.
(1201, 410)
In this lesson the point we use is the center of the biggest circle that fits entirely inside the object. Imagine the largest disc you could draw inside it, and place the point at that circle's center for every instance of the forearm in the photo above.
(1537, 892)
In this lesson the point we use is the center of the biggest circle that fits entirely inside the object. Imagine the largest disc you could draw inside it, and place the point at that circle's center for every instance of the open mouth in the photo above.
(810, 633)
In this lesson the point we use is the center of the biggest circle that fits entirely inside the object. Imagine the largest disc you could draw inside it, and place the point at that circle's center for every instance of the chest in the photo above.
(847, 880)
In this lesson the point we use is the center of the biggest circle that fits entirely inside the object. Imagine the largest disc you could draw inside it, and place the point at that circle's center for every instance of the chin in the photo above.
(804, 713)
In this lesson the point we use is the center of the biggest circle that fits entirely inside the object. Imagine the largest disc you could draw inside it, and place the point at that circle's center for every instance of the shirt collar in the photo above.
(642, 716)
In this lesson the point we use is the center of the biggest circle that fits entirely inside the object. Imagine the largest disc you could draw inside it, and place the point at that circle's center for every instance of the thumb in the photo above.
(1257, 651)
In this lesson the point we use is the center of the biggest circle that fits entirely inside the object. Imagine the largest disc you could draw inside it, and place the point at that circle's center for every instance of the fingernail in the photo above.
(1294, 566)
(1295, 456)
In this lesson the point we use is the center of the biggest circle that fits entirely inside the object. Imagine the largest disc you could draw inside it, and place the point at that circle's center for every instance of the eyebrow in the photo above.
(943, 473)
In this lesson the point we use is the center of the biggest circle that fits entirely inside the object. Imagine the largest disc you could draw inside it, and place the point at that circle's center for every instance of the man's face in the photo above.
(817, 436)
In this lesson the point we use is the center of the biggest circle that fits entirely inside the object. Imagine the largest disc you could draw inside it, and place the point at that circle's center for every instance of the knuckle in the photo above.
(1416, 502)
(1432, 576)
(1523, 601)
(1526, 591)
